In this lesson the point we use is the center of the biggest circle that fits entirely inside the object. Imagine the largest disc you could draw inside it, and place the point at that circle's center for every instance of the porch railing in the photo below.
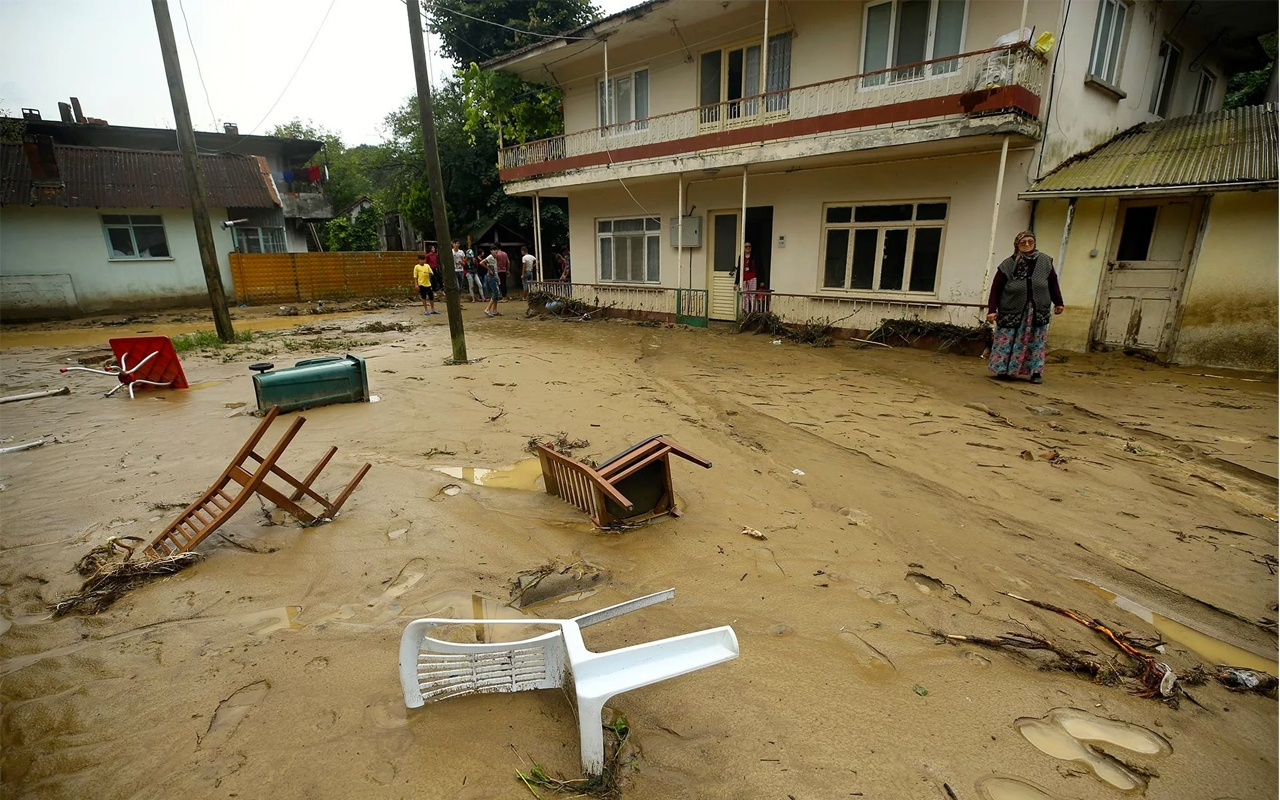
(968, 76)
(857, 313)
(687, 306)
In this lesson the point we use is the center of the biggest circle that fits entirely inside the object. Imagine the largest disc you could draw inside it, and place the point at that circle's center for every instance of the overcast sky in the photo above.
(106, 53)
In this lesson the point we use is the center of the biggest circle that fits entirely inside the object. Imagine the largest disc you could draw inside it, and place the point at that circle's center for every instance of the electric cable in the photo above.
(199, 71)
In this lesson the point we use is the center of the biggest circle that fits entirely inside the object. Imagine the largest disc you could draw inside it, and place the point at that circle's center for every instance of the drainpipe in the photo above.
(537, 236)
(995, 219)
(679, 228)
(608, 93)
(1066, 234)
(1022, 24)
(764, 58)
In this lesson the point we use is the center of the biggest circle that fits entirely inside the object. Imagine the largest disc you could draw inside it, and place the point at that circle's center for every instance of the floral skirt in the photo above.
(1020, 351)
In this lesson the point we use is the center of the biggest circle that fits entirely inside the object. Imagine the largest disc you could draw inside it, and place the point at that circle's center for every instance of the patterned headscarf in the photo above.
(1023, 263)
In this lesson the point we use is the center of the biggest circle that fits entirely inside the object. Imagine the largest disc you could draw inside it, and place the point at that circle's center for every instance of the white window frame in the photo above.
(1115, 43)
(129, 226)
(651, 228)
(941, 69)
(608, 116)
(1166, 80)
(282, 243)
(1204, 91)
(911, 225)
(748, 107)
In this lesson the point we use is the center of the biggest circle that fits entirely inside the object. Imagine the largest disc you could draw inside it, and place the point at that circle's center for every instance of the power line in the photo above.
(199, 71)
(289, 83)
(559, 36)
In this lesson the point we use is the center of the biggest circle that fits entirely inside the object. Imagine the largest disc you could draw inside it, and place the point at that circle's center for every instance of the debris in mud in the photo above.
(940, 336)
(927, 583)
(106, 552)
(383, 327)
(753, 533)
(562, 444)
(816, 332)
(112, 581)
(555, 579)
(608, 784)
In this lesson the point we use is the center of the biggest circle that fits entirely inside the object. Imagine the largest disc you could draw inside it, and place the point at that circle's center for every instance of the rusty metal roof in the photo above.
(1218, 150)
(100, 177)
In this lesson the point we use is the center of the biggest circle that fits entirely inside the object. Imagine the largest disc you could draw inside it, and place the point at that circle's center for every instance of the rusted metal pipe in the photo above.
(36, 395)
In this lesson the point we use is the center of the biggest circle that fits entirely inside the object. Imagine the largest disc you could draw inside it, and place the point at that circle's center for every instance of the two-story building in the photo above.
(873, 153)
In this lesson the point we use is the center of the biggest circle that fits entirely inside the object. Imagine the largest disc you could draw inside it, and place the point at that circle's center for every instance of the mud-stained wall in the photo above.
(45, 241)
(1229, 311)
(1080, 271)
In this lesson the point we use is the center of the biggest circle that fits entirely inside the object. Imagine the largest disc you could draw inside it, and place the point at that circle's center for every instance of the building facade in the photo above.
(874, 154)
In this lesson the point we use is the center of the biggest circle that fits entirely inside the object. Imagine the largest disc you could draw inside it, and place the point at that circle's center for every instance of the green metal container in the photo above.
(313, 382)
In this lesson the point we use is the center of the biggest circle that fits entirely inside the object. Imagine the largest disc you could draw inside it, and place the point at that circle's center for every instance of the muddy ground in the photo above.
(901, 492)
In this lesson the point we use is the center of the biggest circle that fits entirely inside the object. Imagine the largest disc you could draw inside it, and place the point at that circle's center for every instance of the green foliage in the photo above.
(500, 102)
(1250, 88)
(465, 40)
(343, 235)
(349, 169)
(12, 129)
(206, 340)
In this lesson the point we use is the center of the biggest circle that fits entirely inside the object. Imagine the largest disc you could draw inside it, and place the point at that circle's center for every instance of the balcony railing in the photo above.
(986, 81)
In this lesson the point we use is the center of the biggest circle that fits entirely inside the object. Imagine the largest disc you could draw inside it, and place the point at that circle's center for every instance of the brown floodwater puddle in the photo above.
(1002, 787)
(1205, 645)
(1067, 733)
(526, 475)
(81, 337)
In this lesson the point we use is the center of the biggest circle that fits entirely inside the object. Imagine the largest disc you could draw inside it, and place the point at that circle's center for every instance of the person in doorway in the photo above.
(422, 276)
(504, 265)
(528, 267)
(489, 274)
(460, 269)
(563, 262)
(1024, 293)
(747, 279)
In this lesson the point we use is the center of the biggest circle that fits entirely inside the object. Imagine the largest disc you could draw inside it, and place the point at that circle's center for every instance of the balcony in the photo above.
(998, 81)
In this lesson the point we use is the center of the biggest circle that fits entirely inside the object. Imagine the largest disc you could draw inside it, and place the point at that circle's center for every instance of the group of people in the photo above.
(485, 275)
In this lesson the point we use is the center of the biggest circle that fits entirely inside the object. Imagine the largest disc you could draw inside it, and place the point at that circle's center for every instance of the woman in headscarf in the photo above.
(1023, 294)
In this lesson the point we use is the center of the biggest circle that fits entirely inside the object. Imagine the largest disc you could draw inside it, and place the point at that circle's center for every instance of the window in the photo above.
(889, 247)
(629, 249)
(1108, 32)
(1170, 57)
(135, 236)
(624, 104)
(905, 32)
(729, 75)
(259, 240)
(1204, 92)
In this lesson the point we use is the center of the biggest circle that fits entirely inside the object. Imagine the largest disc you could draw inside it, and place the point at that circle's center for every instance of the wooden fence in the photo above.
(267, 278)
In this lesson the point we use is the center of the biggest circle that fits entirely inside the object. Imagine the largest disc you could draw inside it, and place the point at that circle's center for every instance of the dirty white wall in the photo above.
(57, 242)
(1080, 272)
(1229, 311)
(1083, 115)
(966, 182)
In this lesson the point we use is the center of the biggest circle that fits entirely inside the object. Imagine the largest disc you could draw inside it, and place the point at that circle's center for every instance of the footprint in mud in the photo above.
(231, 712)
(929, 585)
(384, 608)
(387, 724)
(316, 664)
(878, 595)
(865, 653)
(1000, 787)
(1068, 733)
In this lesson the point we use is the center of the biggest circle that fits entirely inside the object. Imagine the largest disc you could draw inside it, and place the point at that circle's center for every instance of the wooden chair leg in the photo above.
(333, 507)
(315, 473)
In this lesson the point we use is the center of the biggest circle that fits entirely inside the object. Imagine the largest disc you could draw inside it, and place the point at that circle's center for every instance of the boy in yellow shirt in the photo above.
(422, 279)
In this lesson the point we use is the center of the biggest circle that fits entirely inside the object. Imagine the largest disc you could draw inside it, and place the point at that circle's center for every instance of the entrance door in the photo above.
(724, 262)
(1146, 273)
(724, 255)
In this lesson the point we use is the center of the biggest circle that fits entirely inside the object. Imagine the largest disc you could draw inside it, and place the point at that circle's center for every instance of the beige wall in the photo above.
(1080, 272)
(967, 182)
(1229, 311)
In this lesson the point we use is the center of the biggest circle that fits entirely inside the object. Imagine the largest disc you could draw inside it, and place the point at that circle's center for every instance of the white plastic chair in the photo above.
(433, 670)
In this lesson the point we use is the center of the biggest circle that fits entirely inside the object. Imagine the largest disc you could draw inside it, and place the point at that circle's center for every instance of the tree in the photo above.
(467, 31)
(1250, 88)
(349, 169)
(343, 235)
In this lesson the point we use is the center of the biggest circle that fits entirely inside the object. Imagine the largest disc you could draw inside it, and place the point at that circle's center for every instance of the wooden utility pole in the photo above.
(427, 119)
(191, 169)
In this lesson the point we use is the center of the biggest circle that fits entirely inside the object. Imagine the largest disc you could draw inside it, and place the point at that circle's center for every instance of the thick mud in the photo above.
(926, 491)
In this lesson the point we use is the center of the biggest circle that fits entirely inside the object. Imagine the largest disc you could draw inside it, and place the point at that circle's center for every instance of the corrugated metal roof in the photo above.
(1218, 149)
(99, 177)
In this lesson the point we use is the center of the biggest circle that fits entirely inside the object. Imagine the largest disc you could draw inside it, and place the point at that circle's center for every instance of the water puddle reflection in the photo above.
(1067, 733)
(1000, 787)
(526, 475)
(1207, 646)
(272, 620)
(467, 605)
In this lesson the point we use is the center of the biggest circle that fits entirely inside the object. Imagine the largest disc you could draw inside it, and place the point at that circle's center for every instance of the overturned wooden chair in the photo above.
(240, 481)
(633, 486)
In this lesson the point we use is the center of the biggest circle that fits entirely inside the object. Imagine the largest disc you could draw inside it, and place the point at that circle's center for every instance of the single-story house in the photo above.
(87, 230)
(1165, 238)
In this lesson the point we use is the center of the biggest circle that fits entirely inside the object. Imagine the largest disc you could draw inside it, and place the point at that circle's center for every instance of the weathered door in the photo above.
(1146, 271)
(724, 261)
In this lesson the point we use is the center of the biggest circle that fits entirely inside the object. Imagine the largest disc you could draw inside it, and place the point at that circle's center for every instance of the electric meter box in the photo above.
(692, 236)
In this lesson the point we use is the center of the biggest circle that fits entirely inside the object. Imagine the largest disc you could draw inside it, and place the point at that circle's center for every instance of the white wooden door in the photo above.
(1145, 274)
(723, 262)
